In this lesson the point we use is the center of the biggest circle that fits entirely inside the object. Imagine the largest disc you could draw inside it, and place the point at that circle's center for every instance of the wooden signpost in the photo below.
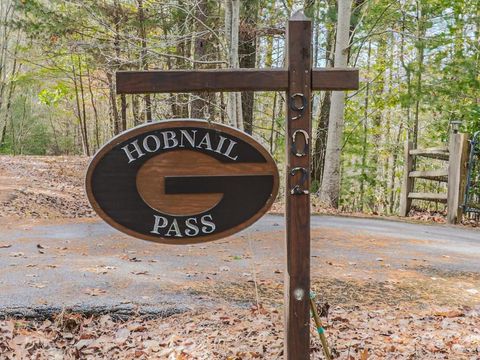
(298, 80)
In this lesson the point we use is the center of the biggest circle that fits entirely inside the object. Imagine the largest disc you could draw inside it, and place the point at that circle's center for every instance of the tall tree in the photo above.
(330, 189)
(321, 131)
(232, 25)
(117, 21)
(198, 106)
(142, 33)
(9, 65)
(248, 55)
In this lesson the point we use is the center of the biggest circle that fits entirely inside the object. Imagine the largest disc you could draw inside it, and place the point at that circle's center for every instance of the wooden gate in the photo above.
(453, 172)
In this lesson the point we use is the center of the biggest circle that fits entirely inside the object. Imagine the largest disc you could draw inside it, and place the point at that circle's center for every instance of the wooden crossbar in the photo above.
(428, 196)
(138, 82)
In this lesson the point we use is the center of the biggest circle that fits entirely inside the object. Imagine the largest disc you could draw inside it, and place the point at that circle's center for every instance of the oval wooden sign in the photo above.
(182, 181)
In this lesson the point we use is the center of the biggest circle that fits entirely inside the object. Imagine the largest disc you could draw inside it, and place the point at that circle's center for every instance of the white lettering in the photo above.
(192, 229)
(130, 152)
(229, 150)
(160, 223)
(174, 227)
(169, 139)
(220, 144)
(147, 146)
(206, 141)
(209, 225)
(185, 135)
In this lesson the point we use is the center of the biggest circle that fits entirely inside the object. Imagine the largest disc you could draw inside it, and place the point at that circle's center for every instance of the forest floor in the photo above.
(75, 288)
(43, 187)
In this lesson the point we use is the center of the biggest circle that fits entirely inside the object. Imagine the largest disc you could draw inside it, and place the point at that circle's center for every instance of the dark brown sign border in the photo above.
(172, 123)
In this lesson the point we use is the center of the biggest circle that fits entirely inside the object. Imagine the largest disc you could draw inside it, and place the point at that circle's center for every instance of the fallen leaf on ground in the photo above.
(364, 355)
(37, 285)
(95, 292)
(450, 313)
(17, 254)
(122, 335)
(145, 272)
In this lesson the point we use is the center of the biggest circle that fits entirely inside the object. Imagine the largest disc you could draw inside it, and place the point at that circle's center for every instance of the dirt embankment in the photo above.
(43, 187)
(52, 187)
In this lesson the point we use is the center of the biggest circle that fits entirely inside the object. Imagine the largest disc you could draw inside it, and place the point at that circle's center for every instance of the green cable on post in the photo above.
(320, 329)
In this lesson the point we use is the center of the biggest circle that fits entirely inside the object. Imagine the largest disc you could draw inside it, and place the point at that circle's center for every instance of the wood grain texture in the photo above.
(438, 197)
(151, 180)
(297, 209)
(335, 79)
(457, 176)
(137, 82)
(134, 82)
(432, 153)
(437, 175)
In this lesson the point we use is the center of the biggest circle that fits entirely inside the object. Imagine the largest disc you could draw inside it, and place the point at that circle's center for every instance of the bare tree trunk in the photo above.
(198, 106)
(377, 202)
(95, 111)
(17, 136)
(122, 126)
(179, 102)
(3, 134)
(78, 111)
(420, 59)
(389, 133)
(143, 57)
(363, 176)
(113, 104)
(123, 103)
(396, 151)
(318, 157)
(232, 19)
(248, 57)
(321, 138)
(11, 90)
(274, 120)
(406, 67)
(84, 110)
(136, 113)
(330, 190)
(6, 12)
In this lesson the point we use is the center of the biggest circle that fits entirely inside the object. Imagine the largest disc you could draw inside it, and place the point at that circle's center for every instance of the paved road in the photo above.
(86, 265)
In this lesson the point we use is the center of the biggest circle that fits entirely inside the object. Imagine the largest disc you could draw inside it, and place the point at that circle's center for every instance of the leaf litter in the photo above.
(361, 322)
(388, 320)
